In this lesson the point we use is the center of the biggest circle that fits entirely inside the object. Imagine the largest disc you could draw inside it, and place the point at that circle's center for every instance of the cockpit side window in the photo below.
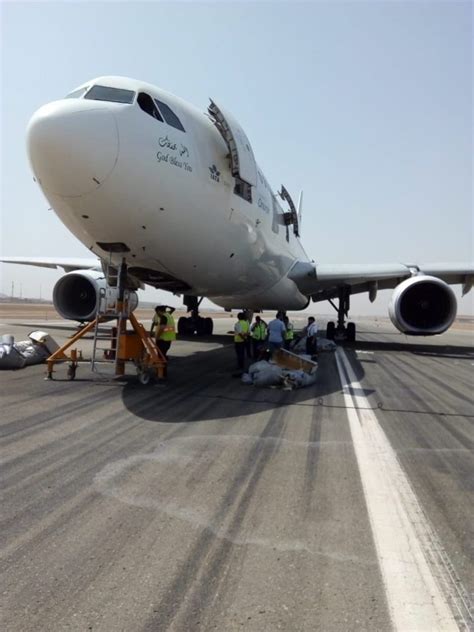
(104, 93)
(146, 104)
(169, 116)
(77, 94)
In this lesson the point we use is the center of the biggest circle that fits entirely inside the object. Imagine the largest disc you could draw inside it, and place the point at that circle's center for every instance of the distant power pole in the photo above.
(13, 289)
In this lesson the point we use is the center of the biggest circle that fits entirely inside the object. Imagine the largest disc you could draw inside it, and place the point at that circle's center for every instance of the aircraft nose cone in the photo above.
(72, 152)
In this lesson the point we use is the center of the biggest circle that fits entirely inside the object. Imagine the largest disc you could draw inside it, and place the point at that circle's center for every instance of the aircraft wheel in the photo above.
(330, 329)
(201, 327)
(183, 326)
(208, 326)
(71, 372)
(351, 332)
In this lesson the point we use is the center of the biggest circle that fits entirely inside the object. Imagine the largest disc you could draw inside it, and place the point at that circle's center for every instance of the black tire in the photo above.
(201, 326)
(208, 326)
(351, 332)
(330, 330)
(145, 377)
(183, 326)
(71, 372)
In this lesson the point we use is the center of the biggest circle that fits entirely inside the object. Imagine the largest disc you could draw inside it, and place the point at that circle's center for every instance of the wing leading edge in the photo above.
(66, 263)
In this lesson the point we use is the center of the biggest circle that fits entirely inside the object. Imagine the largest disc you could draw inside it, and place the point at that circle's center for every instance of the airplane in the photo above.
(175, 196)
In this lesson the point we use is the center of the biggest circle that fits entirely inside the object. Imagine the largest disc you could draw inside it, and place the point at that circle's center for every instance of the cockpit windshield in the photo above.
(77, 94)
(104, 93)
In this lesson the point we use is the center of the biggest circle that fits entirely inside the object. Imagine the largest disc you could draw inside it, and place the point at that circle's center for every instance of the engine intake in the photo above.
(76, 295)
(423, 306)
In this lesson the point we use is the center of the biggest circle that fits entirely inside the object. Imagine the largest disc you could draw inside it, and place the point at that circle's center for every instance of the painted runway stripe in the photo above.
(422, 590)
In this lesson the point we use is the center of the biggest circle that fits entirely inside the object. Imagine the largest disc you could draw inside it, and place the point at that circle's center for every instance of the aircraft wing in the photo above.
(322, 281)
(68, 264)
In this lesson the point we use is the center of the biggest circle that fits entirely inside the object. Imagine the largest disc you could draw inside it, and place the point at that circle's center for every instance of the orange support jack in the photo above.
(137, 347)
(153, 359)
(60, 356)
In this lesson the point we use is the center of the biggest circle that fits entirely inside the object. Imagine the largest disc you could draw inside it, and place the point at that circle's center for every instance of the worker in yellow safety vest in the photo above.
(290, 332)
(164, 329)
(258, 333)
(241, 334)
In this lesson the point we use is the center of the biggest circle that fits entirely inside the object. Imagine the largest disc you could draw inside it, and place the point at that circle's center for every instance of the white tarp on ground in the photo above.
(35, 350)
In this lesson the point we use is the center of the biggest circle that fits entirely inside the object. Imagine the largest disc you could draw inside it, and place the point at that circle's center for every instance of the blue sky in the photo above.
(366, 106)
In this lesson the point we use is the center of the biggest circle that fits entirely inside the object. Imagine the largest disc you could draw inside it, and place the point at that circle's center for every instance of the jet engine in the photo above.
(76, 295)
(422, 306)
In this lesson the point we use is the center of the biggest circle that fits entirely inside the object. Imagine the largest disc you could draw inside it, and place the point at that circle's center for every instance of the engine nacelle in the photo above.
(77, 294)
(423, 306)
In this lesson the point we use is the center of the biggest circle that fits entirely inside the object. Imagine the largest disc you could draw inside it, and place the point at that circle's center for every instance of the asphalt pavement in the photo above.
(206, 504)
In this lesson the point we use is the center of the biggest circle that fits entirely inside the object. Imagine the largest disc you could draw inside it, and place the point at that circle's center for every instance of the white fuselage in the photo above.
(115, 174)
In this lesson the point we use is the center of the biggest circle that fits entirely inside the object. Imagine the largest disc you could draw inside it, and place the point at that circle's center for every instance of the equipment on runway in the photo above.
(125, 345)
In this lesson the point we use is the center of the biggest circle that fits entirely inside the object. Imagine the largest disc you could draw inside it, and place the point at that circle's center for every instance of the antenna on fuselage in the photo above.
(300, 208)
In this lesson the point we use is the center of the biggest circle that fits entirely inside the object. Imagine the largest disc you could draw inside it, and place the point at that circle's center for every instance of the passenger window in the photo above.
(169, 116)
(104, 93)
(146, 104)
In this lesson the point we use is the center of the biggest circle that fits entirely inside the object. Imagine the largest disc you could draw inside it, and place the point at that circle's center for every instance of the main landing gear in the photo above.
(341, 331)
(194, 324)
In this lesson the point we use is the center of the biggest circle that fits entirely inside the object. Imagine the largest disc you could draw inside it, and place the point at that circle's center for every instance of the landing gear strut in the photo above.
(194, 324)
(341, 332)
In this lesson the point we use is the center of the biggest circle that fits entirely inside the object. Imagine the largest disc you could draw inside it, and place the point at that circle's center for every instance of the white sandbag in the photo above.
(268, 375)
(258, 366)
(33, 353)
(16, 355)
(246, 379)
(298, 379)
(43, 338)
(308, 380)
(324, 344)
(10, 358)
(299, 345)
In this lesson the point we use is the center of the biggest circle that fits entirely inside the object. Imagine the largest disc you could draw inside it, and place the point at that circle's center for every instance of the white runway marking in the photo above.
(418, 576)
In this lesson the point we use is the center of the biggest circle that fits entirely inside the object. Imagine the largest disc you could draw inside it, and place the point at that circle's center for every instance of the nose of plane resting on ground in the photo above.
(72, 151)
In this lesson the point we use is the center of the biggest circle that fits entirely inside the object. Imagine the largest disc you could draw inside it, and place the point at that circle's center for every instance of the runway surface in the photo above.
(209, 505)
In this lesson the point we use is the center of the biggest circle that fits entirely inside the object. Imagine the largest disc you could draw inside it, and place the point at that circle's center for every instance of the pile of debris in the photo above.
(35, 350)
(324, 344)
(286, 370)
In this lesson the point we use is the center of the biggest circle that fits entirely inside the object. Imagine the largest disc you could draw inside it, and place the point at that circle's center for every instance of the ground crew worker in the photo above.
(290, 332)
(248, 342)
(311, 340)
(258, 334)
(276, 332)
(241, 334)
(165, 331)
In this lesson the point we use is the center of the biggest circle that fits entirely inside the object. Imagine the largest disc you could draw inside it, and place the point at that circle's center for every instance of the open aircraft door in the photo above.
(242, 161)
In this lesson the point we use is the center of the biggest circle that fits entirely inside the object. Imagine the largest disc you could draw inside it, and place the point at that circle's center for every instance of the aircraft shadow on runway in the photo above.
(201, 387)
